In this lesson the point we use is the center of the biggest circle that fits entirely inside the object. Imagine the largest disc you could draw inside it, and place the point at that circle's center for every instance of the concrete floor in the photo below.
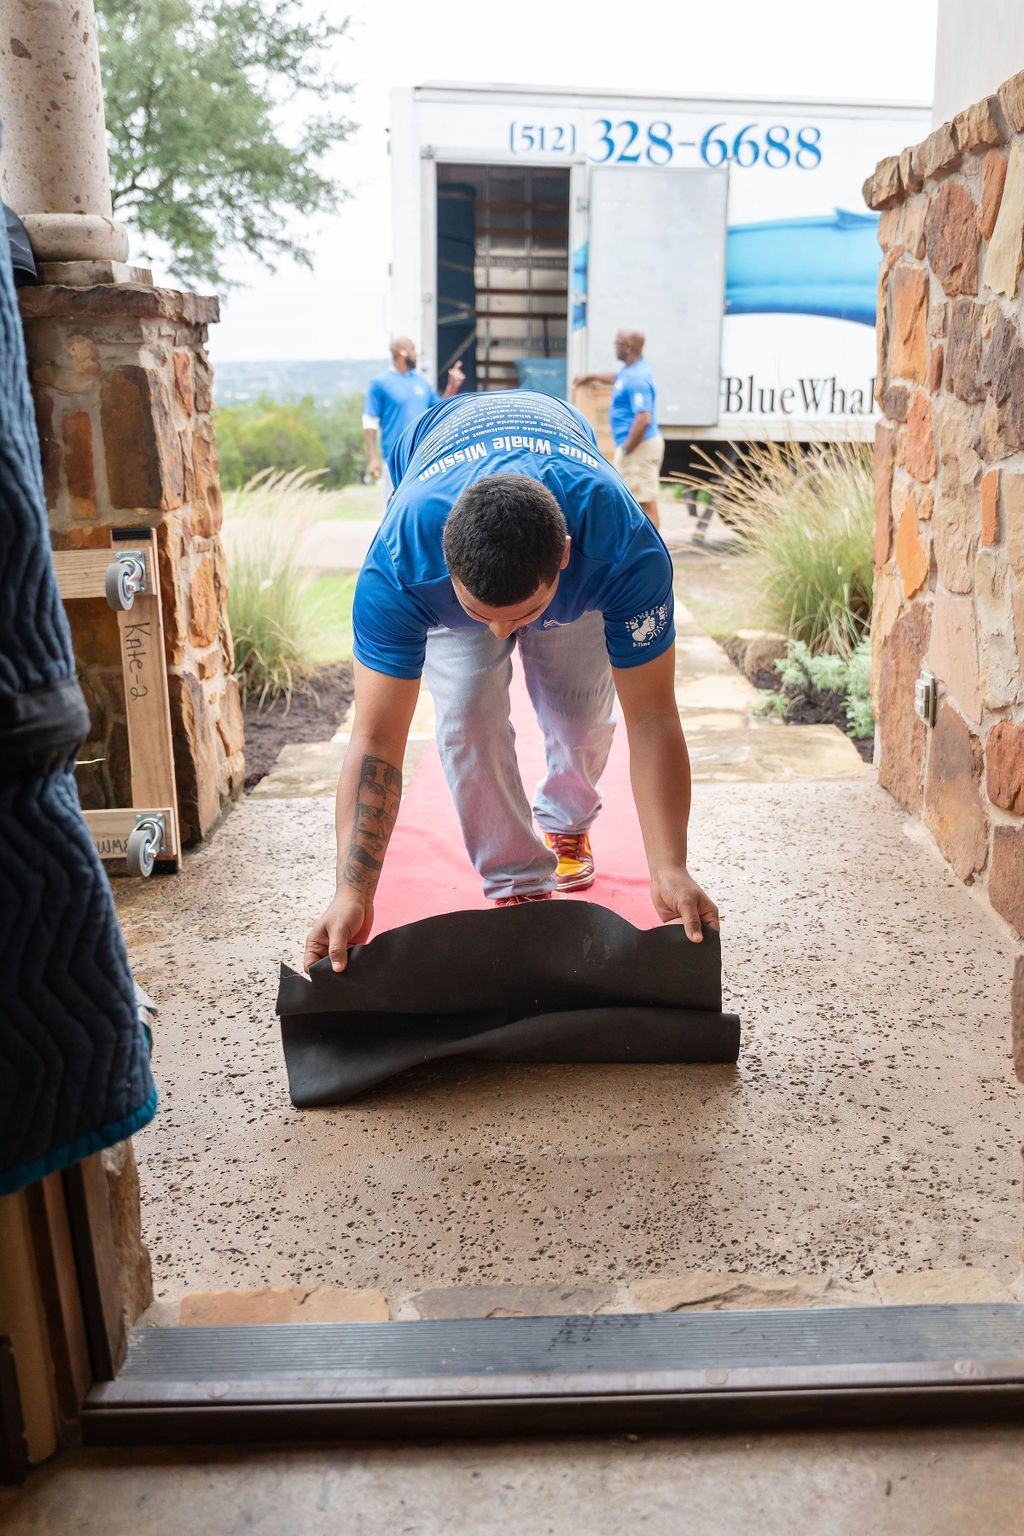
(872, 1124)
(939, 1482)
(339, 544)
(870, 1130)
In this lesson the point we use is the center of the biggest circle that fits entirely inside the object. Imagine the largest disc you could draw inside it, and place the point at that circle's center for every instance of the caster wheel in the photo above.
(124, 577)
(140, 854)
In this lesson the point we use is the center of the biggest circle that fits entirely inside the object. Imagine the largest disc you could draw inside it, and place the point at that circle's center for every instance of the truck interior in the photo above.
(503, 275)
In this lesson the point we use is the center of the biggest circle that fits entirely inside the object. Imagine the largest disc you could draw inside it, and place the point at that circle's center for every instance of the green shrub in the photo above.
(273, 621)
(806, 676)
(858, 693)
(774, 705)
(340, 423)
(807, 516)
(799, 668)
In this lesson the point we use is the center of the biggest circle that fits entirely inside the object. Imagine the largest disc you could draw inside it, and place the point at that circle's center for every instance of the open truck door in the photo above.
(648, 251)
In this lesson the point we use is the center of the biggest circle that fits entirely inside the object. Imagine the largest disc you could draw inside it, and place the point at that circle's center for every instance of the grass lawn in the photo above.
(716, 582)
(718, 591)
(353, 501)
(330, 597)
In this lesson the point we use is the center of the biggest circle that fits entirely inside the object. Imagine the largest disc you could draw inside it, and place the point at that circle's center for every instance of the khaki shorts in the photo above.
(642, 468)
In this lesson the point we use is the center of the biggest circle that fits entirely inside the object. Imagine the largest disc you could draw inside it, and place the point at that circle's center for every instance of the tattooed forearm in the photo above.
(377, 800)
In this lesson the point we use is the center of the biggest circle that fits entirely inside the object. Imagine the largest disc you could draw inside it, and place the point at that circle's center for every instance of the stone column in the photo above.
(949, 550)
(121, 381)
(54, 171)
(122, 386)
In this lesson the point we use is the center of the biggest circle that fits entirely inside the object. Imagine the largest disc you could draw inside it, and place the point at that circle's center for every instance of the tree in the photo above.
(268, 434)
(341, 428)
(292, 434)
(195, 97)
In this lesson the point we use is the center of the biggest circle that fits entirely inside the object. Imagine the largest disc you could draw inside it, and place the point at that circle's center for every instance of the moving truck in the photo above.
(529, 224)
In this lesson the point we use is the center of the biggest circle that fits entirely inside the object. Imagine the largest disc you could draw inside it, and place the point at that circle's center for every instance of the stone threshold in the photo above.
(691, 1292)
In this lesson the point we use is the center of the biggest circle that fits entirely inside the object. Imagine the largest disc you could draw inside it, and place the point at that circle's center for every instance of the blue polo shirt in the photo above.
(618, 565)
(632, 392)
(396, 400)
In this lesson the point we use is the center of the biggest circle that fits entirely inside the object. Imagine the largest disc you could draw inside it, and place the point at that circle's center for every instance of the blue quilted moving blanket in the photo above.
(74, 1054)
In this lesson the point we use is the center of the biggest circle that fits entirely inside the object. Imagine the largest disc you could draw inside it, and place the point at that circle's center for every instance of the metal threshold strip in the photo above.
(551, 1375)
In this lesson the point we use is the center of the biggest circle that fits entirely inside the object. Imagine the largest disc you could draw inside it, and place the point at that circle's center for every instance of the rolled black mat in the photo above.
(548, 981)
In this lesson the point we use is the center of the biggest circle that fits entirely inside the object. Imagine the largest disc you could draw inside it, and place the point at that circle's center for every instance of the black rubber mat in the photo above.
(544, 982)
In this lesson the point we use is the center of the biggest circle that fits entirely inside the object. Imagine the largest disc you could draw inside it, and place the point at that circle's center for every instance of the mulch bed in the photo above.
(312, 715)
(825, 708)
(734, 648)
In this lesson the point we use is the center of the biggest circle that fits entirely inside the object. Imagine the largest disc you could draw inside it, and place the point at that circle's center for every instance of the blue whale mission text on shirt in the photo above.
(618, 565)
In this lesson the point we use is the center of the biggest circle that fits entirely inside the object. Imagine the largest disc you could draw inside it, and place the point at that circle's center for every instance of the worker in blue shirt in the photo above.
(509, 531)
(639, 446)
(396, 398)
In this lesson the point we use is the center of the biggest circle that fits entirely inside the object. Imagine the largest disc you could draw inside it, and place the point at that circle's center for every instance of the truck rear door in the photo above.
(655, 261)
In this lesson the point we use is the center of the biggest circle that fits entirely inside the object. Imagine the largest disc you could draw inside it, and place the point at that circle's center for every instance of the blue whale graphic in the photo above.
(825, 265)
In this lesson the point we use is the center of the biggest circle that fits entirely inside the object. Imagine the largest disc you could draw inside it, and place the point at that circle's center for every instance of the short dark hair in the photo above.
(504, 539)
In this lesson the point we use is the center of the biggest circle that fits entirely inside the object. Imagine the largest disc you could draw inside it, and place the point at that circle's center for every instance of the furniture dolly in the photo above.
(127, 576)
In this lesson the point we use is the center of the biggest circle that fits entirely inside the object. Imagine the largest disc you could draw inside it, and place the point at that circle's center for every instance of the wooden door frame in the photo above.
(66, 1256)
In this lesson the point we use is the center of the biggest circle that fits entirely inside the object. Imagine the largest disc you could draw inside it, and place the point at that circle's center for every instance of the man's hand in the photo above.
(373, 467)
(678, 897)
(456, 379)
(347, 921)
(369, 794)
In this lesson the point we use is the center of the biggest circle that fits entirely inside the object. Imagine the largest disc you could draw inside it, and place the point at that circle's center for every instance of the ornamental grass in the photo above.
(274, 620)
(806, 514)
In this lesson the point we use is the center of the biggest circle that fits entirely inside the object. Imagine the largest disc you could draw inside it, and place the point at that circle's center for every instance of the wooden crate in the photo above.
(593, 401)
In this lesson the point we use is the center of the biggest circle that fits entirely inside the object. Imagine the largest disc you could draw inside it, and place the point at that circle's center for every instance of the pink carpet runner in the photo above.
(427, 871)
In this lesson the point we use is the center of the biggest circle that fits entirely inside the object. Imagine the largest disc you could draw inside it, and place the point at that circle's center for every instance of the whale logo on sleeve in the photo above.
(648, 626)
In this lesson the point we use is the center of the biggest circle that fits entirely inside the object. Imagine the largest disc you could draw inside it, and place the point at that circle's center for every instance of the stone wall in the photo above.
(949, 456)
(122, 385)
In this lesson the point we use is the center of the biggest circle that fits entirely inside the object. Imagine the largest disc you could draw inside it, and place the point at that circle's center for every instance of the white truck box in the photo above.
(530, 223)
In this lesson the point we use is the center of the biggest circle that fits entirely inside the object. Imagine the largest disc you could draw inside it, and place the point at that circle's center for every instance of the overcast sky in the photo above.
(875, 49)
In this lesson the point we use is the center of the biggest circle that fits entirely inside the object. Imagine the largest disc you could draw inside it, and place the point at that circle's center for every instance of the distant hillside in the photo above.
(235, 383)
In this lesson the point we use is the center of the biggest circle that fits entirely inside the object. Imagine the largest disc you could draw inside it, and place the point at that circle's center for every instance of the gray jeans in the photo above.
(569, 679)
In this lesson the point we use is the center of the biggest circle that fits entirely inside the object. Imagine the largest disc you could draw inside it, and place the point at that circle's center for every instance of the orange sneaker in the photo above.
(517, 901)
(575, 871)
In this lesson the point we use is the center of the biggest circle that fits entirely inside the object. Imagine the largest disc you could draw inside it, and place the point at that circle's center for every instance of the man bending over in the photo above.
(508, 530)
